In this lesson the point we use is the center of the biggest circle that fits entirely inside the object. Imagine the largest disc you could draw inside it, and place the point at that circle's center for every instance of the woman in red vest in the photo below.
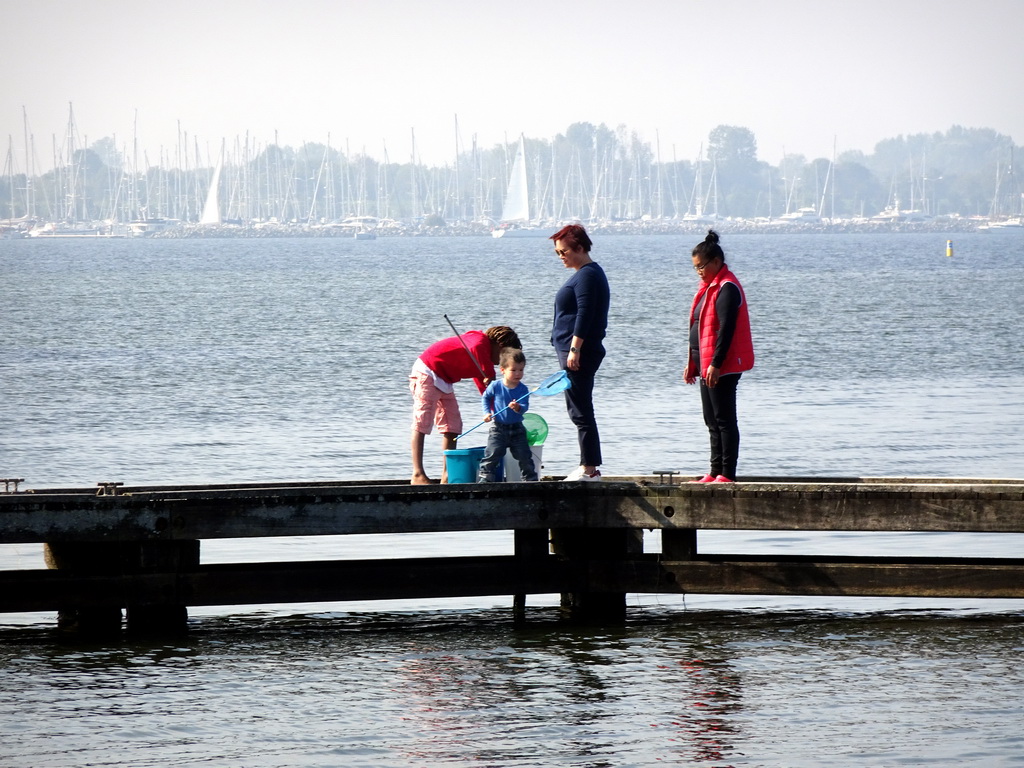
(721, 348)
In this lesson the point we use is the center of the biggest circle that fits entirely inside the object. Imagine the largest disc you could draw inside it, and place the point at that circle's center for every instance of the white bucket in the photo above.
(512, 473)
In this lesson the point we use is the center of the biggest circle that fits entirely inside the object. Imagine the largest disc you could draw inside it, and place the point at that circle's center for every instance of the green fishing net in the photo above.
(536, 428)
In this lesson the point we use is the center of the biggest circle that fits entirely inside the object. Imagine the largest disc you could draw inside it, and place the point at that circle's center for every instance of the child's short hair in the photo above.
(510, 355)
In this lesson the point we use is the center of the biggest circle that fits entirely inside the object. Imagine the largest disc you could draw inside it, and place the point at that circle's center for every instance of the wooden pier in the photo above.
(138, 549)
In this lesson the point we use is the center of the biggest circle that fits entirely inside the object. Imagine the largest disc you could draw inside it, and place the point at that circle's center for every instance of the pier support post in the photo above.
(91, 558)
(166, 612)
(589, 604)
(529, 545)
(163, 611)
(678, 543)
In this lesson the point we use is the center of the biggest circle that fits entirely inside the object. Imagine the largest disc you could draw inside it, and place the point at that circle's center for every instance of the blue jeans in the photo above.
(513, 438)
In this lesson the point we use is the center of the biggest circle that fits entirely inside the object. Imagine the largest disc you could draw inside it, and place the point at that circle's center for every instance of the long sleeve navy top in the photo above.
(581, 308)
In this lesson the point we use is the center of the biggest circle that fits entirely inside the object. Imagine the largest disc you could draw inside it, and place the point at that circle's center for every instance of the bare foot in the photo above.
(420, 479)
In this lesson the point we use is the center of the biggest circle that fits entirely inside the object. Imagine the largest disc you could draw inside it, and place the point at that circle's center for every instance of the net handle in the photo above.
(552, 385)
(466, 347)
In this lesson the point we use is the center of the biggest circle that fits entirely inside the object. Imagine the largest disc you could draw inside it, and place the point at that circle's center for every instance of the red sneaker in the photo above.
(721, 479)
(705, 479)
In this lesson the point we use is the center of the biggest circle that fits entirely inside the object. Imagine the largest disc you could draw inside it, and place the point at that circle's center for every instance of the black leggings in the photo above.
(719, 405)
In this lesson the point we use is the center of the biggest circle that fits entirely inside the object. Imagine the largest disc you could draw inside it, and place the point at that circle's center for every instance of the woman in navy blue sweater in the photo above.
(580, 322)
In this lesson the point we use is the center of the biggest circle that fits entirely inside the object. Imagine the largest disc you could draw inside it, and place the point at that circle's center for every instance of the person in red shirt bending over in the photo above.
(472, 355)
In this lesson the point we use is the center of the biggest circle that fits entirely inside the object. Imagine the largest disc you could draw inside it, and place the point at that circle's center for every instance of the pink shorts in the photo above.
(431, 406)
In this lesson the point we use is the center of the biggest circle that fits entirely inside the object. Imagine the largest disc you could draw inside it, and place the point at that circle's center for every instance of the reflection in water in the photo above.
(705, 689)
(712, 693)
(539, 695)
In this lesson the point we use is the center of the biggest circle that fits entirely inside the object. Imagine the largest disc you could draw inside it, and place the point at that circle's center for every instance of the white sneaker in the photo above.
(579, 474)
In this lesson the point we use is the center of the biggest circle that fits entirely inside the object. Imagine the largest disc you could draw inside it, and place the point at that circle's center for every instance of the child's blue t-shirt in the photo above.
(497, 397)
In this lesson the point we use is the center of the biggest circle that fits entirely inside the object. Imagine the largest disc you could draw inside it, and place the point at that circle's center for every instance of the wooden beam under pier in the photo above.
(428, 578)
(138, 548)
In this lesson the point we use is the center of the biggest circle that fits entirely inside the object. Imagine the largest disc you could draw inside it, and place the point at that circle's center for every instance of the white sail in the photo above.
(211, 211)
(517, 199)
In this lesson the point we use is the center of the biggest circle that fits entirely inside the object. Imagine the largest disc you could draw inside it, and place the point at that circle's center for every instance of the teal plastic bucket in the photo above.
(463, 464)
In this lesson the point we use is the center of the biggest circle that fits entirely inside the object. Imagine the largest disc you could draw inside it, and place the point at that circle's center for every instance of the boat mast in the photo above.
(70, 200)
(661, 206)
(697, 194)
(10, 173)
(833, 216)
(29, 170)
(458, 203)
(387, 188)
(829, 176)
(677, 194)
(415, 185)
(135, 169)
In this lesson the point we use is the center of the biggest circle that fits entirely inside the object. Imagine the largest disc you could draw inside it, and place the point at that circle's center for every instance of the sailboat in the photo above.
(515, 213)
(1007, 211)
(698, 215)
(211, 210)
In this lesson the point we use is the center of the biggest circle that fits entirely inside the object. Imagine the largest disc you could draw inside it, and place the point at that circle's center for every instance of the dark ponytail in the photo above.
(709, 249)
(503, 336)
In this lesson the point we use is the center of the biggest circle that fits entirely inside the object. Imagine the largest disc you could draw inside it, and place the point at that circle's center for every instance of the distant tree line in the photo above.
(588, 173)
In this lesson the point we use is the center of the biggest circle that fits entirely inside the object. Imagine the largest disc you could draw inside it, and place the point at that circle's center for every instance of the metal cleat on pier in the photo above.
(107, 489)
(663, 473)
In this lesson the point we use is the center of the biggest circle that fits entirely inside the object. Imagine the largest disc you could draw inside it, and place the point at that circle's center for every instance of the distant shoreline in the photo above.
(654, 228)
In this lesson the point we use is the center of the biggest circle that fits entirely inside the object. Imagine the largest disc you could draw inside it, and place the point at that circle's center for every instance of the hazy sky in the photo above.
(800, 74)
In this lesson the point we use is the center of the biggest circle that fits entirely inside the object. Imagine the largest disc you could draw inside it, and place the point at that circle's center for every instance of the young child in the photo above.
(507, 429)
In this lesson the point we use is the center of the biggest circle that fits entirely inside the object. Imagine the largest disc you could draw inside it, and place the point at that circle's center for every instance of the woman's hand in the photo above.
(690, 372)
(572, 362)
(711, 377)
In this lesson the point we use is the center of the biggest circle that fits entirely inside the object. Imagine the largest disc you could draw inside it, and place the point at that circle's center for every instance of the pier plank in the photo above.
(334, 510)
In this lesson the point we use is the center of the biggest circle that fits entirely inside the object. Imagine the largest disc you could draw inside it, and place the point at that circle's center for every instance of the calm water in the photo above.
(196, 361)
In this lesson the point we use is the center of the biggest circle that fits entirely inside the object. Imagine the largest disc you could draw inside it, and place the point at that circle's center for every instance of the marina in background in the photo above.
(962, 181)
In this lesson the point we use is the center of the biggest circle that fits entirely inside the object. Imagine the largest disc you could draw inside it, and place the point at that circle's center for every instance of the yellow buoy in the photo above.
(949, 248)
